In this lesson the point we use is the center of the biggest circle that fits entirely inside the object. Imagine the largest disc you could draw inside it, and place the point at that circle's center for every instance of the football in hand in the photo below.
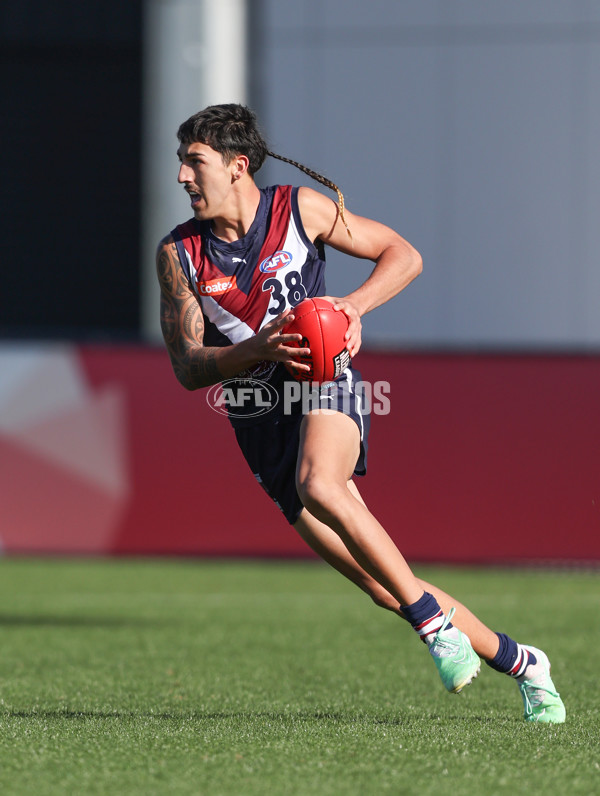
(323, 330)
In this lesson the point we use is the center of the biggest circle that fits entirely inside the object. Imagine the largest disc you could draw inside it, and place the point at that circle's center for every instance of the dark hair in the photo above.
(231, 130)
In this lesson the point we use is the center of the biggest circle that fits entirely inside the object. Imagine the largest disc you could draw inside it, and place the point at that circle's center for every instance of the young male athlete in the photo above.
(230, 278)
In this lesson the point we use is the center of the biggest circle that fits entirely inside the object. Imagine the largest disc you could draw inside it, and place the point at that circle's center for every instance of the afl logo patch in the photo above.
(275, 262)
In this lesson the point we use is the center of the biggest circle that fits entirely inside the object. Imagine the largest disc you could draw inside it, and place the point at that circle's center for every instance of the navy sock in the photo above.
(425, 615)
(511, 658)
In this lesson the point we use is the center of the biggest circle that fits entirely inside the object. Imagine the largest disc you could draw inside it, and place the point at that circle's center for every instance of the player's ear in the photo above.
(239, 165)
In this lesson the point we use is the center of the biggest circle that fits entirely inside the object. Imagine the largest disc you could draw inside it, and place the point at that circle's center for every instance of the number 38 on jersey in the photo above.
(286, 289)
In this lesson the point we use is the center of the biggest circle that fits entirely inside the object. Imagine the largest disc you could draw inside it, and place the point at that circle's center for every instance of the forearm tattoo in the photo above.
(182, 325)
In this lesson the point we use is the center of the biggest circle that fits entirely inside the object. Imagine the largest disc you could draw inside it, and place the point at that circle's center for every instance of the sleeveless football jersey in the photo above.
(243, 285)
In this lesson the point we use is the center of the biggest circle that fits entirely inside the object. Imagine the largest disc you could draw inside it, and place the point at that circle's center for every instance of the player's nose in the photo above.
(185, 174)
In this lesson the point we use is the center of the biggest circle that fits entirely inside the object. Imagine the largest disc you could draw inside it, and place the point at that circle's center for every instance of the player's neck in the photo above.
(239, 215)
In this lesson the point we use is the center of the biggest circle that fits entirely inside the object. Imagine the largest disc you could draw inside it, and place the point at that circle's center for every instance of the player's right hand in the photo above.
(272, 343)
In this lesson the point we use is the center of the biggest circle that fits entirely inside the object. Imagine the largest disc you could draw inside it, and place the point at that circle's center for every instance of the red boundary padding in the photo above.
(482, 458)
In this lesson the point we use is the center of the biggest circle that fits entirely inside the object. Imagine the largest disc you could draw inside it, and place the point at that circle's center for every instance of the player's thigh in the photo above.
(329, 447)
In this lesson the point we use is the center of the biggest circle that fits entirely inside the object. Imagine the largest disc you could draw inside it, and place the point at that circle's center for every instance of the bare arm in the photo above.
(397, 263)
(182, 324)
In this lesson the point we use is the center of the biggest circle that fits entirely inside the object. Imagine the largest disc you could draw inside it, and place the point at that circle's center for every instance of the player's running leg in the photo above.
(322, 484)
(328, 545)
(541, 700)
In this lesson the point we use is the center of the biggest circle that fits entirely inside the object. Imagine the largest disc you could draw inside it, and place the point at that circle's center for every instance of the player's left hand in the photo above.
(354, 333)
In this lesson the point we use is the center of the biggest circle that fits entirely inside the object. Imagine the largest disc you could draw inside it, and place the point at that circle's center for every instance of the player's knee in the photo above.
(320, 497)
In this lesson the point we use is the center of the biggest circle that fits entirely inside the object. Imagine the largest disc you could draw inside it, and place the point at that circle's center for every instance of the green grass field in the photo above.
(183, 677)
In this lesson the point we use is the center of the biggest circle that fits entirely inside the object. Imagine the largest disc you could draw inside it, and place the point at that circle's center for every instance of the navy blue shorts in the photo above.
(271, 447)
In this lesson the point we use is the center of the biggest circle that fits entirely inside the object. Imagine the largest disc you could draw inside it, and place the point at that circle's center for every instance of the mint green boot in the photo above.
(541, 699)
(455, 658)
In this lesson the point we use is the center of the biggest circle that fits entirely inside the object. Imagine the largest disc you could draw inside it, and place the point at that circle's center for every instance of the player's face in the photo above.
(206, 178)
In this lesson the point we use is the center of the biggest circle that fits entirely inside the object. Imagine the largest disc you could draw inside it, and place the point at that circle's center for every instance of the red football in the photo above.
(323, 330)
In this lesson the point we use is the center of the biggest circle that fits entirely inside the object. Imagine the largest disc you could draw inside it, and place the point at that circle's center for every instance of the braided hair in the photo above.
(319, 178)
(232, 129)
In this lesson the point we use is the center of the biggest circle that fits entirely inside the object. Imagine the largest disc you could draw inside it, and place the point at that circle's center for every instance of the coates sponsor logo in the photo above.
(216, 287)
(275, 262)
(242, 397)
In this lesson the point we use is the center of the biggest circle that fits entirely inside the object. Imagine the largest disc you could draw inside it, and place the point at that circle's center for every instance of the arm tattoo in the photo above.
(182, 324)
(205, 371)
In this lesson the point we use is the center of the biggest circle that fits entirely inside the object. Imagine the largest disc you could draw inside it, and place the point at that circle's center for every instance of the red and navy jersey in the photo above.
(243, 285)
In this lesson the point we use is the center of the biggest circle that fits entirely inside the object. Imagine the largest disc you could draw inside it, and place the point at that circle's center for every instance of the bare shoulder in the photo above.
(308, 197)
(319, 213)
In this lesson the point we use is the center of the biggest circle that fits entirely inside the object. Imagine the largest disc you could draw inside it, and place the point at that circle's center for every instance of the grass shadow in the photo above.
(249, 717)
(47, 620)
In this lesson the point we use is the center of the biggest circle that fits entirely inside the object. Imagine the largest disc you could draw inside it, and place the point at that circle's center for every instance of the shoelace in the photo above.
(446, 643)
(529, 704)
(446, 620)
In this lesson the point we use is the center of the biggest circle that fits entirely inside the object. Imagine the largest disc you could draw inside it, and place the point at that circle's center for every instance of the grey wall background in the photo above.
(473, 129)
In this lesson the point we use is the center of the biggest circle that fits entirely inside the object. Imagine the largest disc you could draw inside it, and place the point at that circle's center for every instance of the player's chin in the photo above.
(200, 211)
